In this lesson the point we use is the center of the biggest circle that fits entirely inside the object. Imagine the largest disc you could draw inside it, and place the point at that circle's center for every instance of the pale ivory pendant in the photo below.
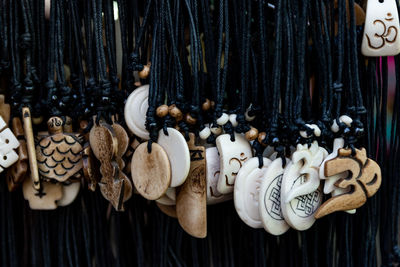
(329, 185)
(232, 157)
(213, 170)
(246, 191)
(169, 198)
(381, 29)
(135, 111)
(177, 150)
(300, 190)
(69, 193)
(270, 199)
(44, 199)
(8, 142)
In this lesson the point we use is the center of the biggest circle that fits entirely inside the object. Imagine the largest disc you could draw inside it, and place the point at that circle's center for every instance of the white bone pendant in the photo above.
(232, 157)
(381, 29)
(270, 199)
(69, 193)
(8, 142)
(329, 185)
(300, 190)
(246, 192)
(212, 174)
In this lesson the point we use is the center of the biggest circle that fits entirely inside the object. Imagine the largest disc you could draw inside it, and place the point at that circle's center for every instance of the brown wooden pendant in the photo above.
(104, 144)
(191, 202)
(167, 209)
(30, 145)
(17, 172)
(59, 155)
(364, 180)
(151, 172)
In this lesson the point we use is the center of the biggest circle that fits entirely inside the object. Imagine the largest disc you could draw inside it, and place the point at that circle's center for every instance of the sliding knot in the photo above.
(25, 41)
(337, 87)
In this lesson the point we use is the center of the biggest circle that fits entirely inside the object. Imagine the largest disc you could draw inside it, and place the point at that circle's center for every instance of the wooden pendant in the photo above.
(381, 29)
(123, 143)
(104, 144)
(43, 199)
(191, 201)
(232, 157)
(90, 168)
(69, 193)
(300, 190)
(30, 145)
(364, 178)
(169, 198)
(59, 155)
(151, 172)
(168, 210)
(17, 172)
(246, 191)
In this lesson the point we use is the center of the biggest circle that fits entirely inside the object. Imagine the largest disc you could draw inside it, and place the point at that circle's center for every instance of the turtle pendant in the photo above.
(59, 154)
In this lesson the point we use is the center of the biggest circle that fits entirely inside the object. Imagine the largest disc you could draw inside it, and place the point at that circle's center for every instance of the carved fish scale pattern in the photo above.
(59, 156)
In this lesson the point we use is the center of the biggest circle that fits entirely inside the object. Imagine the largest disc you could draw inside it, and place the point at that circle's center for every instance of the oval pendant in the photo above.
(69, 193)
(246, 191)
(301, 194)
(213, 171)
(151, 172)
(270, 199)
(135, 111)
(174, 144)
(232, 157)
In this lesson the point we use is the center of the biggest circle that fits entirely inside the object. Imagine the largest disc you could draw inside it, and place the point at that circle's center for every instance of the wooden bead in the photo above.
(251, 134)
(206, 105)
(144, 73)
(261, 137)
(162, 111)
(175, 112)
(189, 119)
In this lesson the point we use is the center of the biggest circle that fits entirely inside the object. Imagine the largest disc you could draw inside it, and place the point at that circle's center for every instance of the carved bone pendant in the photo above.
(364, 178)
(59, 155)
(381, 29)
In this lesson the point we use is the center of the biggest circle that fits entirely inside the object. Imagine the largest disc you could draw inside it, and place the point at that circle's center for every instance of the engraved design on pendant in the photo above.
(8, 142)
(272, 198)
(305, 205)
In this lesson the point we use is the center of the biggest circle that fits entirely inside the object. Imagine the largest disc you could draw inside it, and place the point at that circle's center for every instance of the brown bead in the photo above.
(162, 111)
(190, 120)
(175, 112)
(261, 137)
(251, 134)
(212, 104)
(206, 105)
(37, 120)
(144, 73)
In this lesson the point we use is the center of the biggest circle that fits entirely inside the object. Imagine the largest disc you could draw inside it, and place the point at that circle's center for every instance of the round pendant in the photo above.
(151, 172)
(232, 157)
(177, 150)
(70, 192)
(247, 186)
(301, 194)
(169, 198)
(270, 199)
(213, 195)
(135, 111)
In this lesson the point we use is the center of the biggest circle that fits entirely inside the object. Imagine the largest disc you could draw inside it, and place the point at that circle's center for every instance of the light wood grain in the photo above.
(167, 210)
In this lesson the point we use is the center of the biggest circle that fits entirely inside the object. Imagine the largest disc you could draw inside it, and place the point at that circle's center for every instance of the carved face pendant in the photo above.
(300, 190)
(232, 157)
(213, 171)
(59, 154)
(364, 178)
(381, 29)
(135, 111)
(246, 191)
(270, 199)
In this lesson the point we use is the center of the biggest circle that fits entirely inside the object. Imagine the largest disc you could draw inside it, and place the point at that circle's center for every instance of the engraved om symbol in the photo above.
(385, 35)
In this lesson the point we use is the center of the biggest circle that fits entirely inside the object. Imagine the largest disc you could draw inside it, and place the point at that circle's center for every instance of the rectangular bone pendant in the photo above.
(381, 29)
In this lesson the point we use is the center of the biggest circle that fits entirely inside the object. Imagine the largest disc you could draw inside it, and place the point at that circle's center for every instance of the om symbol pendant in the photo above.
(381, 29)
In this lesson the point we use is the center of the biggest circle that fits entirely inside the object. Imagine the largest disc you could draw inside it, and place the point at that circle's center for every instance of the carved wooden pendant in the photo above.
(59, 155)
(365, 178)
(232, 157)
(169, 210)
(381, 29)
(191, 201)
(30, 145)
(17, 172)
(151, 172)
(270, 199)
(70, 191)
(247, 186)
(45, 198)
(90, 168)
(300, 190)
(104, 144)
